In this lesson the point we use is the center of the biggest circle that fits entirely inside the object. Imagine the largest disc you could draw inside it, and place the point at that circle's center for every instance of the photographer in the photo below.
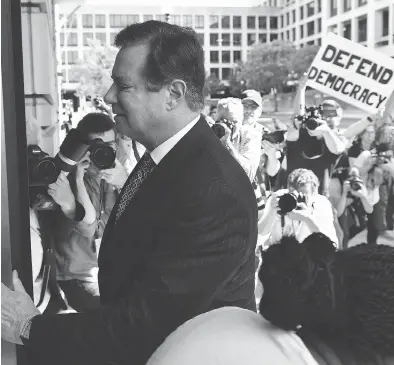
(298, 210)
(242, 141)
(77, 243)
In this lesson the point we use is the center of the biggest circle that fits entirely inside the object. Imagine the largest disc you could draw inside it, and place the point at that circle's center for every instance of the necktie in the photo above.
(143, 169)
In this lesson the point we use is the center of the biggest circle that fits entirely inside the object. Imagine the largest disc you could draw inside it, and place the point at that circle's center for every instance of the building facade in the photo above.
(228, 33)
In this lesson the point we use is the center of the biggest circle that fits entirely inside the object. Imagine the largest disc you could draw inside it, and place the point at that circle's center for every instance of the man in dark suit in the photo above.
(181, 238)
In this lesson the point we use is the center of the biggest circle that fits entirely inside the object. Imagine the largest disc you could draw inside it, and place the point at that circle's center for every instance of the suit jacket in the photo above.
(184, 246)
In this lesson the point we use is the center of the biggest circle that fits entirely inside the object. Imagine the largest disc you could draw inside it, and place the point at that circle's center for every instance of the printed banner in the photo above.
(352, 73)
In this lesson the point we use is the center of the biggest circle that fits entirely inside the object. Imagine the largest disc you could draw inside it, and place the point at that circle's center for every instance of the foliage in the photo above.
(302, 59)
(94, 71)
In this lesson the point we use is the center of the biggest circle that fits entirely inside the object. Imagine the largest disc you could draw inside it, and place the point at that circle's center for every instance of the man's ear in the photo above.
(177, 92)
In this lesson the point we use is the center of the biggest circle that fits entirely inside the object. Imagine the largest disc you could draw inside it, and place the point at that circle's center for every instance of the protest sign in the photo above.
(352, 73)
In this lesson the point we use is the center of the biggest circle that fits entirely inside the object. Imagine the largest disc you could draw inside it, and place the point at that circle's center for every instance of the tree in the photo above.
(213, 85)
(302, 59)
(268, 65)
(94, 71)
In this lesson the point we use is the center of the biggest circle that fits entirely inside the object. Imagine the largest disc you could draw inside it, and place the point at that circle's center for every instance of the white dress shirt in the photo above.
(231, 336)
(160, 151)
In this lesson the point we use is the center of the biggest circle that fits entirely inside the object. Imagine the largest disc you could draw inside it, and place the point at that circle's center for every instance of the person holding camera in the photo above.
(77, 243)
(299, 210)
(242, 141)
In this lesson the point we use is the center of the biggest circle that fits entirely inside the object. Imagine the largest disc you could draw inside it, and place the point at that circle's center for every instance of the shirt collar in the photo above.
(160, 151)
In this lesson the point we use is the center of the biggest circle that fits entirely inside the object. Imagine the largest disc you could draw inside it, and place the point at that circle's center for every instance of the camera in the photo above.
(356, 183)
(219, 130)
(42, 169)
(275, 137)
(313, 117)
(290, 201)
(96, 101)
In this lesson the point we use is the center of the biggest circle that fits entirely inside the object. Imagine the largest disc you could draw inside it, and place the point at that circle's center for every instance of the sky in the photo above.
(203, 3)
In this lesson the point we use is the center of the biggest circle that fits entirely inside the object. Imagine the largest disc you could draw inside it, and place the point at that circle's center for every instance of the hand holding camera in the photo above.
(224, 129)
(82, 166)
(116, 176)
(61, 192)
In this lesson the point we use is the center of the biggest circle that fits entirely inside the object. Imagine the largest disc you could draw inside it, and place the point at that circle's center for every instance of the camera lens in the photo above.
(102, 155)
(43, 172)
(311, 124)
(218, 130)
(287, 203)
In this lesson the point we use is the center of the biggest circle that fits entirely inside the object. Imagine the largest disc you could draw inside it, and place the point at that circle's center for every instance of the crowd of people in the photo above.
(180, 224)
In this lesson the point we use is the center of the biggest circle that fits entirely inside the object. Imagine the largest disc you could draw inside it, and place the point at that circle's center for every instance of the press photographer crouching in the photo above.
(314, 143)
(242, 141)
(86, 197)
(299, 210)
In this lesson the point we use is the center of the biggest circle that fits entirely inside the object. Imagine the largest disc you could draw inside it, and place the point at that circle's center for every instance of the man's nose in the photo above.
(110, 96)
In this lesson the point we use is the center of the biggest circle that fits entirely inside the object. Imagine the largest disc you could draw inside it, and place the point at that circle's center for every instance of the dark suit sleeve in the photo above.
(215, 236)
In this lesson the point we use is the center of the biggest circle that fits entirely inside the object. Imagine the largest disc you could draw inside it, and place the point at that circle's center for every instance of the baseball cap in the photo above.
(331, 104)
(254, 96)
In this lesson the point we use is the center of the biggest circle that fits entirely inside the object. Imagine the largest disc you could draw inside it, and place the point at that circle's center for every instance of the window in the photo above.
(311, 43)
(385, 22)
(225, 22)
(301, 31)
(301, 12)
(273, 37)
(112, 38)
(214, 56)
(362, 2)
(310, 9)
(294, 16)
(199, 21)
(288, 35)
(100, 21)
(161, 17)
(72, 39)
(282, 21)
(147, 17)
(72, 57)
(251, 20)
(188, 21)
(273, 22)
(175, 19)
(347, 5)
(237, 39)
(262, 38)
(319, 25)
(225, 39)
(347, 30)
(237, 22)
(319, 41)
(237, 56)
(294, 34)
(213, 21)
(200, 37)
(226, 73)
(310, 28)
(333, 7)
(101, 37)
(86, 37)
(87, 21)
(214, 72)
(226, 57)
(318, 6)
(262, 22)
(72, 21)
(121, 21)
(362, 29)
(287, 18)
(213, 39)
(251, 39)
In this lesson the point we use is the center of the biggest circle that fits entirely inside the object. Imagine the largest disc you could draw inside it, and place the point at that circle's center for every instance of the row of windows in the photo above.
(306, 30)
(306, 11)
(346, 5)
(215, 39)
(214, 21)
(226, 72)
(225, 56)
(362, 27)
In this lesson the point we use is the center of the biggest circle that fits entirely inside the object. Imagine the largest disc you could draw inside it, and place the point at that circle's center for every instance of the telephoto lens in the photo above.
(219, 130)
(288, 202)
